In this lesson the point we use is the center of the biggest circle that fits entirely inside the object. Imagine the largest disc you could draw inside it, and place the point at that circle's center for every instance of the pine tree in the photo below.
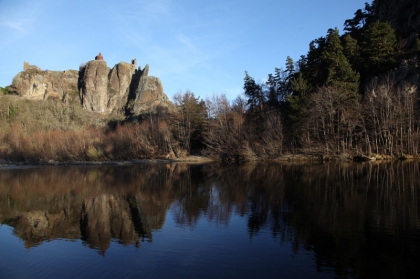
(254, 92)
(271, 94)
(313, 68)
(290, 66)
(378, 47)
(338, 69)
(351, 50)
(297, 103)
(361, 17)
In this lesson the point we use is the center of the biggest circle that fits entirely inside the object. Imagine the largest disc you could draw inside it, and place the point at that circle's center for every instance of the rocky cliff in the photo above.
(124, 89)
(35, 84)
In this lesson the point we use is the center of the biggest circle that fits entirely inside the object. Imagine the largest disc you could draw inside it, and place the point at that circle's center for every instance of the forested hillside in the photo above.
(352, 93)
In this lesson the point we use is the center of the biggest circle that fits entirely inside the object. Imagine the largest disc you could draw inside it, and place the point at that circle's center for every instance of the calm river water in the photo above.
(211, 221)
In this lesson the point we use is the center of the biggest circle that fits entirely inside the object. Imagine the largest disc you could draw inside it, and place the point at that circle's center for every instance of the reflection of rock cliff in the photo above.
(102, 218)
(36, 226)
(105, 217)
(123, 89)
(95, 204)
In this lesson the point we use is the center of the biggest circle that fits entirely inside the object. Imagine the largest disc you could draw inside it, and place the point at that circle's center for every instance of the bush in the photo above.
(4, 91)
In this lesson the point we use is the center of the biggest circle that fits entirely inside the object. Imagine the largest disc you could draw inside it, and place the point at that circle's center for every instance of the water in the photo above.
(211, 221)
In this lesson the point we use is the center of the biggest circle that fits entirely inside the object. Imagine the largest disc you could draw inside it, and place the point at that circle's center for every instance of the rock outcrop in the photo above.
(94, 86)
(124, 89)
(36, 84)
(148, 94)
(404, 78)
(404, 16)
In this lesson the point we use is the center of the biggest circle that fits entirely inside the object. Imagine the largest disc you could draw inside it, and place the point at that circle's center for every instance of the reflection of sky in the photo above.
(206, 250)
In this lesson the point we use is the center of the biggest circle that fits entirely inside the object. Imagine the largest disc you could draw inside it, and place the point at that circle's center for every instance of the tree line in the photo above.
(354, 93)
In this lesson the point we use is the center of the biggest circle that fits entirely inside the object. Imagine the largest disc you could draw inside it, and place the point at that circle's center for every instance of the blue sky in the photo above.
(202, 46)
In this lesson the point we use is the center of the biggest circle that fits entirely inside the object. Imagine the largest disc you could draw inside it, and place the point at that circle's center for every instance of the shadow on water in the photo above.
(361, 220)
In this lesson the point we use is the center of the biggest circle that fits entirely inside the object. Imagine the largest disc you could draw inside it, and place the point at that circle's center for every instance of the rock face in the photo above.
(405, 77)
(124, 89)
(404, 16)
(148, 94)
(36, 84)
(119, 86)
(94, 87)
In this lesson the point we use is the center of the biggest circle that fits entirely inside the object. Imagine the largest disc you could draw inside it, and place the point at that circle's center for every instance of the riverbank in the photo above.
(200, 159)
(193, 159)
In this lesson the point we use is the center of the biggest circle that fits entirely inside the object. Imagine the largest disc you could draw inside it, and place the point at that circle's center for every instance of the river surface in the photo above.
(211, 221)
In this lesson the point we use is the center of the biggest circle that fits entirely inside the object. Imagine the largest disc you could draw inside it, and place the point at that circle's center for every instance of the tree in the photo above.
(312, 66)
(191, 115)
(254, 92)
(272, 96)
(360, 19)
(351, 50)
(280, 82)
(338, 69)
(378, 47)
(333, 118)
(224, 131)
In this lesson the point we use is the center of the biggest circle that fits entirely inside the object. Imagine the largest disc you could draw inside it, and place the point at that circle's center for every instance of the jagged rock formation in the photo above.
(148, 94)
(119, 86)
(124, 89)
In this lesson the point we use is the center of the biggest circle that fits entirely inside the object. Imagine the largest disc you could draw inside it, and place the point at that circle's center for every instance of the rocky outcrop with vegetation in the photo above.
(123, 90)
(35, 84)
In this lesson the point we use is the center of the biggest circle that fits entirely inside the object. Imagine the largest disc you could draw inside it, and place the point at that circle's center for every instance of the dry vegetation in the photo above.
(38, 131)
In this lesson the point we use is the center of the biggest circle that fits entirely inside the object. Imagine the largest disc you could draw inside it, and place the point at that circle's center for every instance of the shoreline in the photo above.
(198, 159)
(188, 159)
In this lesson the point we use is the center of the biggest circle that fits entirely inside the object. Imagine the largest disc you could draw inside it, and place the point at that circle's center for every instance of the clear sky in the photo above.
(203, 46)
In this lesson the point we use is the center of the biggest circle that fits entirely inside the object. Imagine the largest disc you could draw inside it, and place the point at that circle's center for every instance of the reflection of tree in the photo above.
(341, 209)
(337, 210)
(346, 213)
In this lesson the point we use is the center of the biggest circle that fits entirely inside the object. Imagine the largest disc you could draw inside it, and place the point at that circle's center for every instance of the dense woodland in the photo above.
(352, 94)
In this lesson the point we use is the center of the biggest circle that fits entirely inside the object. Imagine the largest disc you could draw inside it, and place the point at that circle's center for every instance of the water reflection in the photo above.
(95, 203)
(361, 220)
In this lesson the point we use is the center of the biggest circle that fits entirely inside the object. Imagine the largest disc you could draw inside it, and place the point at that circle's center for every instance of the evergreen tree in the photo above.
(296, 104)
(378, 47)
(313, 67)
(351, 50)
(289, 74)
(361, 17)
(290, 66)
(338, 69)
(254, 92)
(272, 96)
